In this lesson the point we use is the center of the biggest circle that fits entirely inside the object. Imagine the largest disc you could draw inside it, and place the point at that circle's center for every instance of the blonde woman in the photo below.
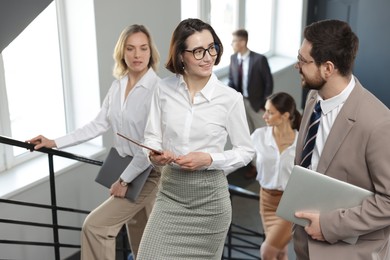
(125, 109)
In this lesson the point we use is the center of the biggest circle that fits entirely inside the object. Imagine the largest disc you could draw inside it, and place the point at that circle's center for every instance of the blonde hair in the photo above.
(120, 67)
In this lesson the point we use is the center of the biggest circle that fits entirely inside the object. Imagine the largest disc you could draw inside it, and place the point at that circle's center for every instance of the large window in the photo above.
(46, 73)
(256, 16)
(259, 15)
(224, 19)
(32, 73)
(270, 24)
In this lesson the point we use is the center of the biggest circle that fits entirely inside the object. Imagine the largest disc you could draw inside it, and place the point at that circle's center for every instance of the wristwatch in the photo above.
(124, 184)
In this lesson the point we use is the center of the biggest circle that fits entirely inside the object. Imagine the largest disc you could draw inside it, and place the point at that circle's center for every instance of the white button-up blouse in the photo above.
(178, 124)
(127, 117)
(273, 168)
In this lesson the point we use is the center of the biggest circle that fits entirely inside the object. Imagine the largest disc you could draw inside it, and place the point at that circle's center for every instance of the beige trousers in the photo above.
(102, 225)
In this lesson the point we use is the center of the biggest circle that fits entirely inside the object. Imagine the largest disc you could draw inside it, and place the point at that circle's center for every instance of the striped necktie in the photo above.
(310, 140)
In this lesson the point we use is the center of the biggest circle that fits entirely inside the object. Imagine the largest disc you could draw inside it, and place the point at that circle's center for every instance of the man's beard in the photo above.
(317, 83)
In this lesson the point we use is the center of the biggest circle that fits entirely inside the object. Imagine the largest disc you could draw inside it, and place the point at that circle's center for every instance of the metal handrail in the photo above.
(54, 208)
(29, 146)
(234, 191)
(240, 233)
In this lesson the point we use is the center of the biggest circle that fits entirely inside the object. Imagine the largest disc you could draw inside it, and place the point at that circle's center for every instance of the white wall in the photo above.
(288, 80)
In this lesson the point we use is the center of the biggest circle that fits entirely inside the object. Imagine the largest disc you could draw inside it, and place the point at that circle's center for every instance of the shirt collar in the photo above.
(270, 140)
(208, 89)
(145, 80)
(244, 56)
(331, 103)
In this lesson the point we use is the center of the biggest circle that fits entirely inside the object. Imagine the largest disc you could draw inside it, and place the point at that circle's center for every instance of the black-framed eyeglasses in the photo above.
(200, 51)
(301, 61)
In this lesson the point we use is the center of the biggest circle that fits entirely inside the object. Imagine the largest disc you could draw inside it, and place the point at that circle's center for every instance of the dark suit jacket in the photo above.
(356, 151)
(260, 81)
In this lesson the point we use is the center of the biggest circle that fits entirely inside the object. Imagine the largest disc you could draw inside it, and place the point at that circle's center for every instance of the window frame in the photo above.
(204, 10)
(8, 159)
(278, 57)
(4, 118)
(69, 41)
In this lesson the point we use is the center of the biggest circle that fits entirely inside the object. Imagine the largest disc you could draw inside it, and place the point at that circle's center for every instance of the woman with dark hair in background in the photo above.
(192, 114)
(275, 152)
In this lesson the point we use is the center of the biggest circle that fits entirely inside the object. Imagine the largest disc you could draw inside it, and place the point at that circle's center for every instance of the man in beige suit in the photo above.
(352, 145)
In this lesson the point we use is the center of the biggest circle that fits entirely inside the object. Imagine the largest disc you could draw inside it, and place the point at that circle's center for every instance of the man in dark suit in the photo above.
(255, 82)
(351, 144)
(249, 73)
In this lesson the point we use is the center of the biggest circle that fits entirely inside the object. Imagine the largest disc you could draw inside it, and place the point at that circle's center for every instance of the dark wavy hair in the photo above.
(333, 40)
(284, 102)
(177, 46)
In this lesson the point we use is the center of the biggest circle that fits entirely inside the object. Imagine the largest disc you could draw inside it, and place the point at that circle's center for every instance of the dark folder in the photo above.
(113, 167)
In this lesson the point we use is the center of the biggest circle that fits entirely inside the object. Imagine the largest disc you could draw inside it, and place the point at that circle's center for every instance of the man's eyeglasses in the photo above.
(301, 61)
(200, 52)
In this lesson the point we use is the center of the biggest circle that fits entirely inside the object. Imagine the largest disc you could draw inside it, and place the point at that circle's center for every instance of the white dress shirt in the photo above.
(330, 110)
(273, 168)
(182, 126)
(127, 117)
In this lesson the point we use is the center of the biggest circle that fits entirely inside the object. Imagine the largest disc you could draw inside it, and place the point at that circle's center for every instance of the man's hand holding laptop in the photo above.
(313, 229)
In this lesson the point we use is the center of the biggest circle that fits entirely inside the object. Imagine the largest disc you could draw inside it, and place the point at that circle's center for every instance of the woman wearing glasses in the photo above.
(191, 115)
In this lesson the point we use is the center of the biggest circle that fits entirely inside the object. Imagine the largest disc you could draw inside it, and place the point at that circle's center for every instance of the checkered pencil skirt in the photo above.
(190, 218)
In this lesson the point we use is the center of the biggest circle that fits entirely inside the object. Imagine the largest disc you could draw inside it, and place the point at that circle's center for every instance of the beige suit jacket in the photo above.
(356, 151)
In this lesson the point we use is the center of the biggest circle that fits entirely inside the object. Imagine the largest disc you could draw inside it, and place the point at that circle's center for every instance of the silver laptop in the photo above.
(308, 190)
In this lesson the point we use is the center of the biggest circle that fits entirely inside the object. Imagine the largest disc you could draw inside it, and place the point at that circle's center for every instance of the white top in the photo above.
(181, 126)
(330, 110)
(273, 168)
(127, 117)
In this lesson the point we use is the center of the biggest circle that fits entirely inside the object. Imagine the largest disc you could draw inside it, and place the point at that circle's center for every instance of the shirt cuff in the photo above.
(218, 160)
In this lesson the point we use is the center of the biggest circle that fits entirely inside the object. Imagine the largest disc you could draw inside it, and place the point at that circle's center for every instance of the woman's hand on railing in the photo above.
(41, 141)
